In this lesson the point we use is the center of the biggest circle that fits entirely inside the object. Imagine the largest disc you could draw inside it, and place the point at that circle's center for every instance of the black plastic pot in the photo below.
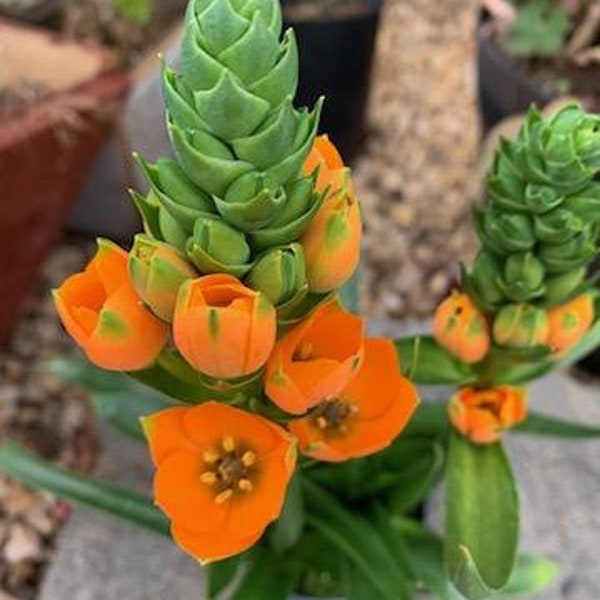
(336, 56)
(504, 89)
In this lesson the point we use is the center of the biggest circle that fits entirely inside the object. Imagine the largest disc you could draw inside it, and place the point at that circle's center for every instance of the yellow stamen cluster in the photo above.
(332, 416)
(229, 469)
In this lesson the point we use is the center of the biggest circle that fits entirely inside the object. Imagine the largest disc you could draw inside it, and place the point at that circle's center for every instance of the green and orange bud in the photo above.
(326, 161)
(461, 328)
(332, 242)
(157, 271)
(521, 326)
(280, 274)
(569, 322)
(222, 328)
(482, 415)
(104, 314)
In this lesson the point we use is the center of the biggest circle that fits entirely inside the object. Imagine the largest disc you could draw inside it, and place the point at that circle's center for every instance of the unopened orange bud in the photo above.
(461, 328)
(104, 314)
(332, 241)
(223, 328)
(569, 322)
(481, 415)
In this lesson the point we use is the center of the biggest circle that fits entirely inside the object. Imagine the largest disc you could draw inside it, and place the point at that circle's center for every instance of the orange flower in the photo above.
(315, 360)
(332, 241)
(481, 415)
(104, 314)
(366, 416)
(221, 477)
(461, 328)
(569, 322)
(223, 328)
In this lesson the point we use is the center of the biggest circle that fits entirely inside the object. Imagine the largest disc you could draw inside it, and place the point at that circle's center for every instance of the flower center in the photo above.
(229, 469)
(332, 416)
(303, 352)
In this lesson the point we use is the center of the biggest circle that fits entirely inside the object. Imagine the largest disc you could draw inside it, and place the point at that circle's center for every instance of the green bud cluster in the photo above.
(540, 229)
(235, 190)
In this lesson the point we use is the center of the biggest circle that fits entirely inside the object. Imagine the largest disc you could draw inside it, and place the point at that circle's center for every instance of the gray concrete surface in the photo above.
(99, 558)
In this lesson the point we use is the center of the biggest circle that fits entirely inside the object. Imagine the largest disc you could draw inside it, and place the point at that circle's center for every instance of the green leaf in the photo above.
(429, 420)
(83, 374)
(268, 576)
(138, 11)
(482, 517)
(427, 363)
(423, 551)
(542, 425)
(356, 539)
(221, 574)
(413, 483)
(286, 531)
(350, 292)
(358, 587)
(123, 502)
(531, 575)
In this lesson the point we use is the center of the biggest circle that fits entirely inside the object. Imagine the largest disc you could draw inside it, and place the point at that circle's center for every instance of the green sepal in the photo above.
(205, 160)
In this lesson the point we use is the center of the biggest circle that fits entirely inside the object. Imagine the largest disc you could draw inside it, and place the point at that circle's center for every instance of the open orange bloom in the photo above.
(481, 415)
(366, 416)
(221, 478)
(332, 241)
(569, 322)
(223, 328)
(104, 314)
(315, 360)
(461, 328)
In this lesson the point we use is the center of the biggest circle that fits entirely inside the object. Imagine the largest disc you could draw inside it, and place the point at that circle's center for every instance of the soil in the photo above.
(51, 418)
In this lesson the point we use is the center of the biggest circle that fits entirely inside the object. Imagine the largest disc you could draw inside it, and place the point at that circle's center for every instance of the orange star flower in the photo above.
(366, 416)
(221, 478)
(223, 328)
(105, 315)
(461, 328)
(481, 415)
(315, 360)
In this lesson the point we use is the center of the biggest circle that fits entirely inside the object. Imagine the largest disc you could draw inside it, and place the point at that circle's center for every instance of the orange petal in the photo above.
(166, 433)
(210, 547)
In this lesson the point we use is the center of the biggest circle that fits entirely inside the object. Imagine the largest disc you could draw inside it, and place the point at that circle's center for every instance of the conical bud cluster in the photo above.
(540, 228)
(236, 188)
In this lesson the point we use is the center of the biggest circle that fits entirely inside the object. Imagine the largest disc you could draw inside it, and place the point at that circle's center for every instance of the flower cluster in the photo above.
(231, 290)
(528, 294)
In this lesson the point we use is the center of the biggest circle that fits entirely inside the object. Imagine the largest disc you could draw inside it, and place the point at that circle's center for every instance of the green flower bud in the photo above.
(280, 274)
(559, 288)
(540, 199)
(557, 227)
(215, 247)
(483, 280)
(521, 326)
(574, 253)
(157, 271)
(522, 278)
(504, 233)
(585, 204)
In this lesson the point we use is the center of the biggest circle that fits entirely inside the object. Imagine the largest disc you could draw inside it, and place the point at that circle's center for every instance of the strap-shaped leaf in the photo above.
(356, 539)
(286, 531)
(427, 363)
(429, 420)
(531, 575)
(121, 501)
(268, 576)
(542, 425)
(482, 517)
(221, 574)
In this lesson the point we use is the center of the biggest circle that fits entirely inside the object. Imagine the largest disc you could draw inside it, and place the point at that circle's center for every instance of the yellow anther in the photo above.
(224, 496)
(209, 478)
(245, 485)
(248, 459)
(228, 443)
(304, 351)
(211, 456)
(322, 423)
